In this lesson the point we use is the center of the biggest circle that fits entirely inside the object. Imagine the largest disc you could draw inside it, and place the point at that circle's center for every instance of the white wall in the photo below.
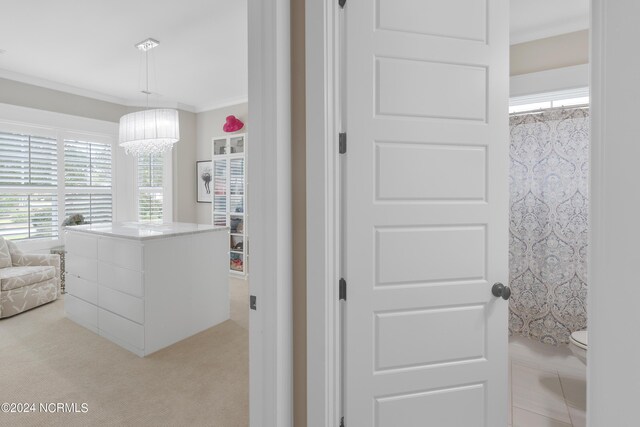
(184, 163)
(553, 80)
(208, 126)
(614, 288)
(561, 51)
(26, 95)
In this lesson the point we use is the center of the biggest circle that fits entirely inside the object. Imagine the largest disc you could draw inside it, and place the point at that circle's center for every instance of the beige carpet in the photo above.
(201, 381)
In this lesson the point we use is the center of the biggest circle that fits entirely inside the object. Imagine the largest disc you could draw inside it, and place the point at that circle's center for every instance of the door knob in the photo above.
(500, 290)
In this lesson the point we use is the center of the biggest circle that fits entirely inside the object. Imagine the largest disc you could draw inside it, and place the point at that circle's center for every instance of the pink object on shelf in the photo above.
(232, 124)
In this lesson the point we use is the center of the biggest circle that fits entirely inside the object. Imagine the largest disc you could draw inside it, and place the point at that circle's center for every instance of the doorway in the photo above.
(549, 175)
(329, 174)
(269, 112)
(549, 205)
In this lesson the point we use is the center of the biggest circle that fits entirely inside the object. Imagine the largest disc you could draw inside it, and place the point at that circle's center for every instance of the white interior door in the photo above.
(426, 217)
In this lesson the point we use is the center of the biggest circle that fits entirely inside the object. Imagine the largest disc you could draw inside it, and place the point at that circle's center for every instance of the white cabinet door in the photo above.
(230, 195)
(426, 216)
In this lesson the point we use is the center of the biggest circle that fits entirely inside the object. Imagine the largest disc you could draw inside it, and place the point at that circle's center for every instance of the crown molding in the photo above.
(16, 115)
(228, 103)
(551, 30)
(132, 103)
(61, 87)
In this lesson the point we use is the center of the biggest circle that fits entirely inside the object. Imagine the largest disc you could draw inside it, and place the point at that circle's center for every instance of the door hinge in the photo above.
(342, 143)
(342, 291)
(252, 302)
(342, 3)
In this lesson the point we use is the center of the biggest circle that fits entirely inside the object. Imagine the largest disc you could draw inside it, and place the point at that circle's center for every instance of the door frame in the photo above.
(324, 122)
(323, 119)
(269, 199)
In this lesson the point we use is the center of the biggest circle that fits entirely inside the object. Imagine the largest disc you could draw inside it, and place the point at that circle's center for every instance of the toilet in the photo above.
(578, 345)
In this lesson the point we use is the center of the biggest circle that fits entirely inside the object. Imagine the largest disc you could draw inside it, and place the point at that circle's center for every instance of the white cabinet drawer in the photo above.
(81, 244)
(120, 253)
(120, 279)
(82, 289)
(83, 267)
(121, 329)
(81, 312)
(123, 304)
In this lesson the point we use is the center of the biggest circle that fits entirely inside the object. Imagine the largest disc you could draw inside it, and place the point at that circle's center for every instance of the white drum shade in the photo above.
(149, 131)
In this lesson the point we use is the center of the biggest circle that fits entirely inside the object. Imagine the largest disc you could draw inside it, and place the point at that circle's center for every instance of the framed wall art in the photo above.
(204, 181)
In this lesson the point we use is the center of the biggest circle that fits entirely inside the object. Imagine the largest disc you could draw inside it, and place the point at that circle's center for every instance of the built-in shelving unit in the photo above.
(230, 195)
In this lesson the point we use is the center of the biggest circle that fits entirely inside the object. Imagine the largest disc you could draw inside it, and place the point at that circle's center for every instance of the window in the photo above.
(87, 180)
(150, 188)
(28, 186)
(543, 101)
(43, 180)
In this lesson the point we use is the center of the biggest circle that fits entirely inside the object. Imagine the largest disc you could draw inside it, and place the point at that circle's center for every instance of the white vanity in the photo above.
(146, 286)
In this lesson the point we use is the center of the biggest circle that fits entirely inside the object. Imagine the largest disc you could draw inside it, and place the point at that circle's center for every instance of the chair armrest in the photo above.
(52, 260)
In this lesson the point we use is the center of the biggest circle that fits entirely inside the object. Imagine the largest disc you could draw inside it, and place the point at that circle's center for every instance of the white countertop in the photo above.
(145, 231)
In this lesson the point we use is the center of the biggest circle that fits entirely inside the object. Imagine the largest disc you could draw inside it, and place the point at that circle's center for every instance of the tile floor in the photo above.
(548, 385)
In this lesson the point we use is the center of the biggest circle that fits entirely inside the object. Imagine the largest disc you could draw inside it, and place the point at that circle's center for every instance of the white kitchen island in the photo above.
(147, 286)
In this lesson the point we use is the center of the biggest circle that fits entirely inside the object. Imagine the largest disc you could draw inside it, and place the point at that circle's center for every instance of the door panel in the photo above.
(435, 17)
(426, 215)
(430, 89)
(400, 336)
(428, 254)
(453, 173)
(409, 410)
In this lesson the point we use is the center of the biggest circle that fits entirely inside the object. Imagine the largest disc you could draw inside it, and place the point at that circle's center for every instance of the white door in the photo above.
(426, 216)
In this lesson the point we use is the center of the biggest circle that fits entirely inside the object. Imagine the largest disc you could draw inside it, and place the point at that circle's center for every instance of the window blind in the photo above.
(87, 177)
(150, 188)
(28, 186)
(87, 164)
(220, 187)
(28, 216)
(27, 160)
(236, 185)
(94, 207)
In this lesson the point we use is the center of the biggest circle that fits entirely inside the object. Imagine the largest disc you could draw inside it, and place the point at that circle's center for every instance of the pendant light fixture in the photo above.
(151, 131)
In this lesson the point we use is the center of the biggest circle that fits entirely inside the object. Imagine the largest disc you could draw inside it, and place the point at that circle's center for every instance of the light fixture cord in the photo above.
(146, 54)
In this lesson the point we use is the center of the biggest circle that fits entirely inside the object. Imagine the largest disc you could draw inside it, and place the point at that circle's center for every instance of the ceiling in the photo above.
(87, 47)
(537, 19)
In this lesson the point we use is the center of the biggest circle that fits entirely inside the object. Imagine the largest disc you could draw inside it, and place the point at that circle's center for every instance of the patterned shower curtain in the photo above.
(549, 175)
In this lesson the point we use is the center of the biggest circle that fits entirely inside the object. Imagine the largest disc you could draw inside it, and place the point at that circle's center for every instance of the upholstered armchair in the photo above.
(26, 280)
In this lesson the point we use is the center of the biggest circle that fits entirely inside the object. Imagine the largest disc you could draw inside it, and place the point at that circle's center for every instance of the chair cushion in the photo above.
(17, 277)
(5, 256)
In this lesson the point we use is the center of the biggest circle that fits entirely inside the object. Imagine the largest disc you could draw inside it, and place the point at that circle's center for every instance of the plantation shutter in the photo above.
(28, 182)
(88, 180)
(150, 187)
